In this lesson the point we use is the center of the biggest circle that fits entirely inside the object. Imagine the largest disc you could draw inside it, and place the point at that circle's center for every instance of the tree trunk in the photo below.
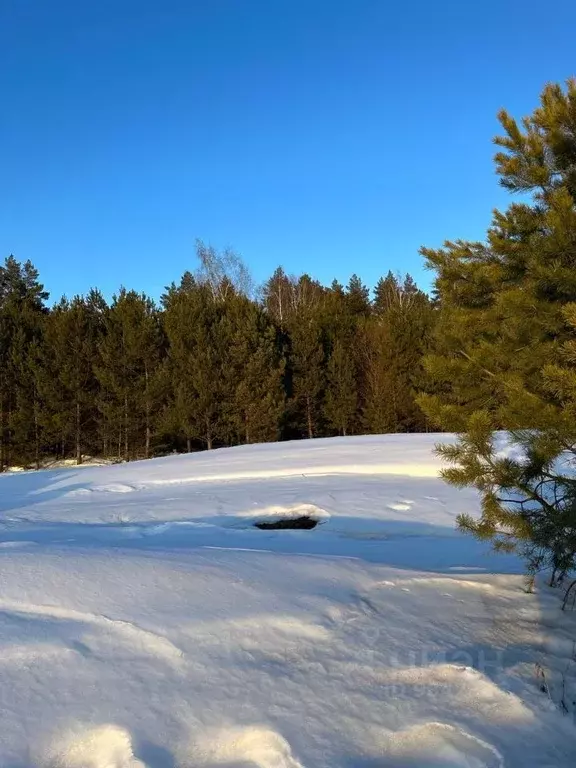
(78, 448)
(147, 406)
(189, 444)
(309, 417)
(9, 438)
(1, 435)
(126, 456)
(36, 436)
(208, 434)
(552, 581)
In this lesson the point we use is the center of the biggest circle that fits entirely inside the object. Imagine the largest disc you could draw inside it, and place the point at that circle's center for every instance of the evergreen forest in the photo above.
(217, 362)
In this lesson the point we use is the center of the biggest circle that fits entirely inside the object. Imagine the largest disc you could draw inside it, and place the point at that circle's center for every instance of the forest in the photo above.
(216, 363)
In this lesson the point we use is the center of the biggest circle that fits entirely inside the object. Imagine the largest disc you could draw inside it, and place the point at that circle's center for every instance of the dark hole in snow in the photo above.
(294, 523)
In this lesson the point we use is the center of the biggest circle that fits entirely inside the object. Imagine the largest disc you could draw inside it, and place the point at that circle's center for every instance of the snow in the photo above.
(146, 623)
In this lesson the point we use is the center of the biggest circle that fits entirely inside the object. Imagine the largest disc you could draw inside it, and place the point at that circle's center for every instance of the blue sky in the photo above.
(329, 136)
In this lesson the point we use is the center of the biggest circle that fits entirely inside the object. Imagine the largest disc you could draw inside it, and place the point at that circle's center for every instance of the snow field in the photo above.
(145, 622)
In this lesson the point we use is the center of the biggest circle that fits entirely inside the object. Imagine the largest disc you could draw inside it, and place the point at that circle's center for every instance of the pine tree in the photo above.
(338, 293)
(505, 346)
(22, 313)
(198, 344)
(278, 297)
(341, 401)
(65, 375)
(379, 392)
(394, 343)
(256, 373)
(24, 423)
(341, 318)
(129, 355)
(357, 297)
(307, 360)
(385, 293)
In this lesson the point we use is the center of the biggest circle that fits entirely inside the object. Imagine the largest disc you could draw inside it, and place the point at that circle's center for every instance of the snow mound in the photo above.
(107, 746)
(251, 747)
(123, 632)
(109, 488)
(439, 745)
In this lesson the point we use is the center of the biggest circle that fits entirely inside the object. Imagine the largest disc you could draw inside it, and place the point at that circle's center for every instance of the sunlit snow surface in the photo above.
(145, 621)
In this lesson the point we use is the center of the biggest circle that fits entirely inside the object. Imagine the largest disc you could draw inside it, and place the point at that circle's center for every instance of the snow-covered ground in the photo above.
(145, 621)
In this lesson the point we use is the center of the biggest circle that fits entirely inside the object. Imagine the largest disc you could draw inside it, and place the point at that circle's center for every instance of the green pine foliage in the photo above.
(504, 351)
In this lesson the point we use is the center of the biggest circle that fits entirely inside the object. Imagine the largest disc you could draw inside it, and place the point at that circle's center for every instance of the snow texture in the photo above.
(146, 623)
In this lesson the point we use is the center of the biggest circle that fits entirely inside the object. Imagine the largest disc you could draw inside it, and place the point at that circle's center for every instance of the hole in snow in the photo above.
(303, 523)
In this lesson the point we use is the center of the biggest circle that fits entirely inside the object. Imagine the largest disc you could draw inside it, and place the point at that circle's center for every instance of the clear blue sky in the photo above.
(329, 136)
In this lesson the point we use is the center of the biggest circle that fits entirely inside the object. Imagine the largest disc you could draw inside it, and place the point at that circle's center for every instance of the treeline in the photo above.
(214, 364)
